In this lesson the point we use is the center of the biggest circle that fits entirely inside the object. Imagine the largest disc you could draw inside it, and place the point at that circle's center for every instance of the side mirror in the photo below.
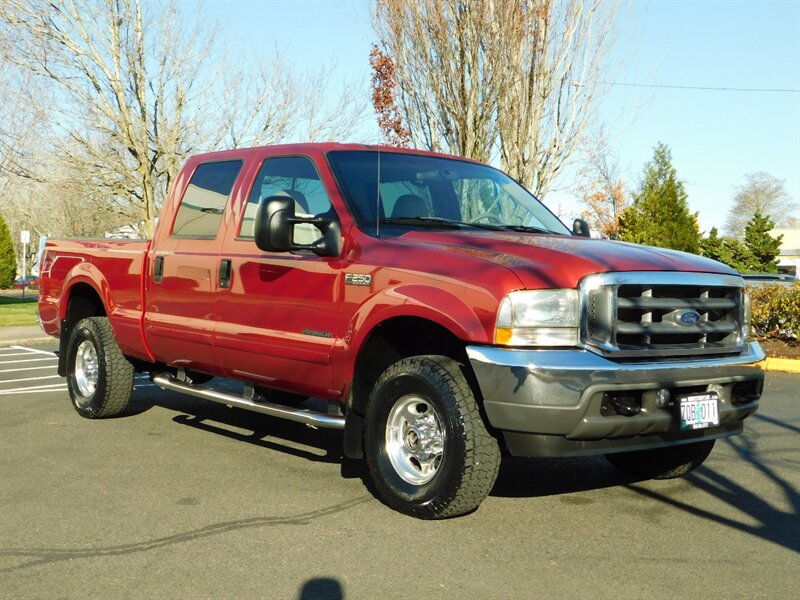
(274, 229)
(580, 228)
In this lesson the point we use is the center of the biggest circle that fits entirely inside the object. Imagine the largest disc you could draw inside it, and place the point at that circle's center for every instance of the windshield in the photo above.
(429, 191)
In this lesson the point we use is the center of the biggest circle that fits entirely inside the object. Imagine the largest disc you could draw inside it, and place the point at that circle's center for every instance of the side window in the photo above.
(291, 176)
(203, 203)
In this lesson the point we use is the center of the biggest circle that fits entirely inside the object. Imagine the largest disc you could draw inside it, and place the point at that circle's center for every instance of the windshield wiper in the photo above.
(438, 222)
(524, 229)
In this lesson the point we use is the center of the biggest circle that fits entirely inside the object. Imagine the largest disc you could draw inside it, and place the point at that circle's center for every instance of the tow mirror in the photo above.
(275, 223)
(581, 228)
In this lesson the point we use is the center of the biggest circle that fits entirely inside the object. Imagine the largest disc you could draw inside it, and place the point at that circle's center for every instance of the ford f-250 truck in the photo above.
(440, 309)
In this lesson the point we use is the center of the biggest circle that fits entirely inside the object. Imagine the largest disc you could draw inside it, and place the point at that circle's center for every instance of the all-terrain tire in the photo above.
(99, 377)
(427, 447)
(662, 463)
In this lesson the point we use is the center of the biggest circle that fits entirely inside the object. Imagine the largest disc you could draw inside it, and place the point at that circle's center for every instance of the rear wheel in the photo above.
(99, 377)
(662, 463)
(428, 450)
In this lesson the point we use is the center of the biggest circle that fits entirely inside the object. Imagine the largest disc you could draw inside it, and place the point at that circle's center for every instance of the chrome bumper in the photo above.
(552, 402)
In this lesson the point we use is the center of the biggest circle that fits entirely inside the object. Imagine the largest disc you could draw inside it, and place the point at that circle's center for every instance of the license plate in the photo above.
(699, 411)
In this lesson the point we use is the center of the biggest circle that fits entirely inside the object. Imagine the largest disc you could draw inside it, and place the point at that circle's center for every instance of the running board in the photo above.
(299, 415)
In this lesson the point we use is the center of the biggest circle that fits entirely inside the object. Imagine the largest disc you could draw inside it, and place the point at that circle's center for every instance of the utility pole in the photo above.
(25, 239)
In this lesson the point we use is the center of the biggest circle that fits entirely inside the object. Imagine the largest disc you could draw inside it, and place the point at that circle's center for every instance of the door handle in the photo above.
(158, 269)
(225, 273)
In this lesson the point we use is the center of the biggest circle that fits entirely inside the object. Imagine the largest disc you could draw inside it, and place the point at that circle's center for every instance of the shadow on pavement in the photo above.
(773, 524)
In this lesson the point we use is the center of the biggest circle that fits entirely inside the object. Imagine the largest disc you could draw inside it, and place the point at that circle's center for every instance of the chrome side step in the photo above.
(299, 415)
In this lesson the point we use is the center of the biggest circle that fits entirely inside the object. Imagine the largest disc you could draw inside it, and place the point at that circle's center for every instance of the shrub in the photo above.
(776, 311)
(8, 260)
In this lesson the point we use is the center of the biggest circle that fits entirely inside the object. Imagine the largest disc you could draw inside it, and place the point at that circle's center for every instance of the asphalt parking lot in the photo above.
(187, 499)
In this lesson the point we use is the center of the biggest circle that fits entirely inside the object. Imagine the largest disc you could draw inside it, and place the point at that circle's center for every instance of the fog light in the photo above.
(662, 398)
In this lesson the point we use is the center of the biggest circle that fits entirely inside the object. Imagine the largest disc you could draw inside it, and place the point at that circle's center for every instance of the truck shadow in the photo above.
(296, 439)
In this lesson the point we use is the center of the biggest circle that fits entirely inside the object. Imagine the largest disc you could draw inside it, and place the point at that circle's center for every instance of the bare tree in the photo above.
(133, 91)
(600, 189)
(764, 194)
(522, 77)
(556, 54)
(125, 74)
(447, 56)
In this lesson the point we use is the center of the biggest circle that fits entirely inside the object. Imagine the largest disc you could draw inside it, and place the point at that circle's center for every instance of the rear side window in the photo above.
(200, 212)
(292, 176)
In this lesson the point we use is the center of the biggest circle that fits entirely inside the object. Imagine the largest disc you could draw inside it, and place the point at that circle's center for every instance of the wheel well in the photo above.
(396, 339)
(83, 302)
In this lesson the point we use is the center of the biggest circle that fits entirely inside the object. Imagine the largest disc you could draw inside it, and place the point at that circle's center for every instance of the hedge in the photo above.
(776, 311)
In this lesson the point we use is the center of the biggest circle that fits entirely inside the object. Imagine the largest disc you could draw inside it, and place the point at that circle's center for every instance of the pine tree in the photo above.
(8, 259)
(712, 246)
(762, 246)
(659, 215)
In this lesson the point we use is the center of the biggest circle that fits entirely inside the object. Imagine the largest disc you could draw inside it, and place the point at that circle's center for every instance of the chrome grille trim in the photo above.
(636, 314)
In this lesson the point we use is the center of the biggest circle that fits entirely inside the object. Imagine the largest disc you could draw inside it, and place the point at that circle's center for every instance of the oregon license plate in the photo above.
(699, 411)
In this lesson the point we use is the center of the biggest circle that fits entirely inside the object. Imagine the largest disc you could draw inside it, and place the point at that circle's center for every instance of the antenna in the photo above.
(378, 198)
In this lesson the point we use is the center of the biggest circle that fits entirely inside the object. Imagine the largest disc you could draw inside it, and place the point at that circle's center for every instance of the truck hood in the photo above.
(555, 261)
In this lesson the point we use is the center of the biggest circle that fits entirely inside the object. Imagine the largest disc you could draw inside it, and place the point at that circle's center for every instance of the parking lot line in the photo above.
(36, 387)
(34, 350)
(30, 379)
(27, 369)
(37, 390)
(27, 360)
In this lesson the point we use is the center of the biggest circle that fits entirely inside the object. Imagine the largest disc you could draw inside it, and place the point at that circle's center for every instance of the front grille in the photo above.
(662, 314)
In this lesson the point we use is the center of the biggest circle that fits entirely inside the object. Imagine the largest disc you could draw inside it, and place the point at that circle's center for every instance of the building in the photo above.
(789, 256)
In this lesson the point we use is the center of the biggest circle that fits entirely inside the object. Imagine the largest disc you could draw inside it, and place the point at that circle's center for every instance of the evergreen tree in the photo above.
(659, 215)
(8, 260)
(762, 246)
(712, 246)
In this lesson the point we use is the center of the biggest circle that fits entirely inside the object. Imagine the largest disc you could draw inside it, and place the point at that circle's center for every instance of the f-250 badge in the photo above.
(357, 279)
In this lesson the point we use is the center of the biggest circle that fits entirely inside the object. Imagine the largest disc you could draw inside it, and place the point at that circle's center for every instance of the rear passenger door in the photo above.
(276, 323)
(183, 281)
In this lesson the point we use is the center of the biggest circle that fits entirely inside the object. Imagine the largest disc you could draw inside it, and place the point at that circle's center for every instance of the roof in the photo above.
(314, 147)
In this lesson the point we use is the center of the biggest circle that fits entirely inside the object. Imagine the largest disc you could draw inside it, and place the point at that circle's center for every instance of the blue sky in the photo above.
(716, 137)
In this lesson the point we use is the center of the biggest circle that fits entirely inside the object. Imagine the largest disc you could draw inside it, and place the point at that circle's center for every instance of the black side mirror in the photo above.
(581, 228)
(274, 229)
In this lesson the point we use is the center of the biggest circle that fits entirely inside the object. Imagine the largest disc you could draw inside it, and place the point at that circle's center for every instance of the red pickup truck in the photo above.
(444, 314)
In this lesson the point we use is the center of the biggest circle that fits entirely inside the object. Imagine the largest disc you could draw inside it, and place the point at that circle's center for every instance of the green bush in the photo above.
(8, 259)
(776, 311)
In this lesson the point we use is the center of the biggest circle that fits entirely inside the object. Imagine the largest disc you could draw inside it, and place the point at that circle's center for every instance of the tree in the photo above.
(483, 76)
(763, 247)
(384, 89)
(601, 190)
(659, 215)
(128, 90)
(726, 250)
(8, 259)
(764, 194)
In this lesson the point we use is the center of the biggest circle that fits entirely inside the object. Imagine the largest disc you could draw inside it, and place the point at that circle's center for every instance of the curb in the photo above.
(784, 365)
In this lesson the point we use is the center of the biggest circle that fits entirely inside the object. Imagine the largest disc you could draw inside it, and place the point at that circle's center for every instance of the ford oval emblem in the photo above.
(689, 317)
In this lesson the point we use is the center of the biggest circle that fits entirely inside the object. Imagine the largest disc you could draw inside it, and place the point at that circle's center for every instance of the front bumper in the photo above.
(556, 402)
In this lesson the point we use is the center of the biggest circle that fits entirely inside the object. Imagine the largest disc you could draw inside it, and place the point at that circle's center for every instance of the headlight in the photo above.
(538, 318)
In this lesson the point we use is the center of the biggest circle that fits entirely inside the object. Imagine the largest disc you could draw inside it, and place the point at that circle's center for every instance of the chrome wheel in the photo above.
(87, 371)
(414, 439)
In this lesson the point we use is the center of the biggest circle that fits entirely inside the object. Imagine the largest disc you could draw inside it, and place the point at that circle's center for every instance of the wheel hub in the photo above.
(87, 370)
(415, 439)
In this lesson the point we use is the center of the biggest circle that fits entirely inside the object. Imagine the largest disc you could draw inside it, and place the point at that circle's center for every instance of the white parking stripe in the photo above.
(36, 387)
(29, 379)
(34, 350)
(62, 388)
(15, 354)
(27, 369)
(27, 360)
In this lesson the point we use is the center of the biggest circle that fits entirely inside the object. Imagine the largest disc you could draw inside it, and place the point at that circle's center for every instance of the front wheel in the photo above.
(99, 377)
(662, 463)
(427, 448)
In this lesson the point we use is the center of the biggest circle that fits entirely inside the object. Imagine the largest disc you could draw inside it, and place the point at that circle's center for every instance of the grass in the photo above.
(17, 311)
